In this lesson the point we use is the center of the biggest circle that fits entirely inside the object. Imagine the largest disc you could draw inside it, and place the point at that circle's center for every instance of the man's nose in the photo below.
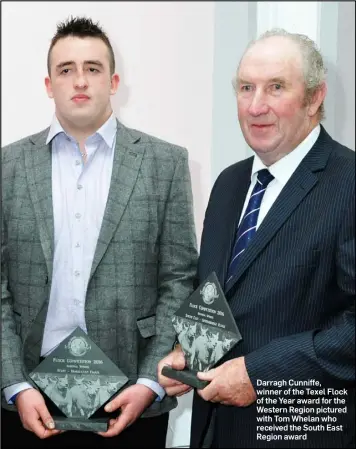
(258, 105)
(80, 81)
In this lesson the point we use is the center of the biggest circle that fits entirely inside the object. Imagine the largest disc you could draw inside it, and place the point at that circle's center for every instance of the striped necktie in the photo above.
(248, 224)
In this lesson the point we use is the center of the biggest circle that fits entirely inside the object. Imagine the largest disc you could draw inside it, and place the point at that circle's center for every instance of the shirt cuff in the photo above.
(155, 386)
(11, 391)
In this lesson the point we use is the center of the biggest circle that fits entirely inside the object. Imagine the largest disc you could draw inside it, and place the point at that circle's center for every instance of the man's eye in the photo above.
(276, 86)
(246, 88)
(65, 71)
(93, 70)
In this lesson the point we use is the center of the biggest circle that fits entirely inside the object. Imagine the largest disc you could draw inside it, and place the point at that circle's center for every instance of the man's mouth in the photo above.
(80, 98)
(261, 125)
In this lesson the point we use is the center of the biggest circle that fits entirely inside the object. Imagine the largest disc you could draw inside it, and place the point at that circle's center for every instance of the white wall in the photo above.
(296, 17)
(345, 69)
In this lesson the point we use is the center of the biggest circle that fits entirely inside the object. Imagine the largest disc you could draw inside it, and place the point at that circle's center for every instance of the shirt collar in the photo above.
(107, 131)
(283, 169)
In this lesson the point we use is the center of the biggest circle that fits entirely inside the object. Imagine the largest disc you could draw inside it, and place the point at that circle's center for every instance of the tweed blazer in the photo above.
(144, 262)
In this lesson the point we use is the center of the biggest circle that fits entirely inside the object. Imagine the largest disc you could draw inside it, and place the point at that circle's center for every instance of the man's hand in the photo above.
(34, 414)
(133, 401)
(230, 384)
(176, 361)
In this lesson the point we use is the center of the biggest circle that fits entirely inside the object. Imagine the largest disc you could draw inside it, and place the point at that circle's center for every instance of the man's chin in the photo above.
(82, 118)
(261, 145)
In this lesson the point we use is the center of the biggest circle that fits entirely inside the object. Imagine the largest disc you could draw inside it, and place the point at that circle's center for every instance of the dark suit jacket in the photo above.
(144, 262)
(293, 298)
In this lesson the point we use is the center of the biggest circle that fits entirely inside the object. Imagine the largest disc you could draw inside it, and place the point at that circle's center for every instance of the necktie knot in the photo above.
(264, 177)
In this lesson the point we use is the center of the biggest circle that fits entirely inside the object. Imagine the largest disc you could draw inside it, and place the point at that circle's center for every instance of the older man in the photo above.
(279, 231)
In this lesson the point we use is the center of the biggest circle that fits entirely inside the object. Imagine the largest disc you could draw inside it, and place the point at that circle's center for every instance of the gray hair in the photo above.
(314, 70)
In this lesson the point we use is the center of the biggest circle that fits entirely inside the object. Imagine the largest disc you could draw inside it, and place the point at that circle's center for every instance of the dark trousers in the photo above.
(145, 432)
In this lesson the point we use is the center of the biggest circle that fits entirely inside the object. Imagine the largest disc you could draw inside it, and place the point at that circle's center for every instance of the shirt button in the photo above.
(78, 215)
(77, 273)
(79, 186)
(77, 245)
(77, 162)
(76, 301)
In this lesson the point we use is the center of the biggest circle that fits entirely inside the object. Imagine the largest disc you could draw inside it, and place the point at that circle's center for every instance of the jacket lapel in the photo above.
(127, 162)
(240, 183)
(38, 167)
(296, 189)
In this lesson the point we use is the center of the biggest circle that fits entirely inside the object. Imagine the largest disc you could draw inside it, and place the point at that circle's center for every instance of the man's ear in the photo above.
(115, 80)
(316, 99)
(48, 84)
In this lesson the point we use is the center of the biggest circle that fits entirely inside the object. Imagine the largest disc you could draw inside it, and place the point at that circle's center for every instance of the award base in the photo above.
(86, 425)
(185, 376)
(99, 422)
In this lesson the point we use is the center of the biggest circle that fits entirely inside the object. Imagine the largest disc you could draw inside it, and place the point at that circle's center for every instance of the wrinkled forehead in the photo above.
(272, 57)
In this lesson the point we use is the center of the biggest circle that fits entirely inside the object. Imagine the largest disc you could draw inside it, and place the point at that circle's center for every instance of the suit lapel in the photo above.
(240, 183)
(297, 188)
(127, 162)
(38, 167)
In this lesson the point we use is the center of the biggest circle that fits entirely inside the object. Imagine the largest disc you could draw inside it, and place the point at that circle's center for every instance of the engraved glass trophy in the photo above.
(77, 380)
(206, 331)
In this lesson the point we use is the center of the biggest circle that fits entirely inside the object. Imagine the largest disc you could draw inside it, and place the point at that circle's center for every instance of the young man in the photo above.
(98, 232)
(291, 284)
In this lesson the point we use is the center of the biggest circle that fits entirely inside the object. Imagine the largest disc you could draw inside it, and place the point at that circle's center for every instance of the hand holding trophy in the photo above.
(77, 380)
(206, 331)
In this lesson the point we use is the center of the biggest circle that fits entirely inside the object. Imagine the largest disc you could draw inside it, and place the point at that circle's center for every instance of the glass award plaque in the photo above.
(206, 331)
(77, 379)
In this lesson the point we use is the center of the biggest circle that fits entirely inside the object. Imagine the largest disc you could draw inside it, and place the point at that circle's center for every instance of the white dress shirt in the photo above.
(282, 170)
(79, 193)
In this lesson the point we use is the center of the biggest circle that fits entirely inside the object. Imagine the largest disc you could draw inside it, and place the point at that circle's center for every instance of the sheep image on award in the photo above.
(78, 378)
(206, 331)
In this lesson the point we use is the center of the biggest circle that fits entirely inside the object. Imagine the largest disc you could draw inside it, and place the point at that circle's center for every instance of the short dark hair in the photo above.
(81, 27)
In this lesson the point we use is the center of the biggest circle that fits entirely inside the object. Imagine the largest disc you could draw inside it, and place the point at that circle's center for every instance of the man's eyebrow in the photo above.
(94, 62)
(242, 81)
(89, 62)
(277, 79)
(62, 64)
